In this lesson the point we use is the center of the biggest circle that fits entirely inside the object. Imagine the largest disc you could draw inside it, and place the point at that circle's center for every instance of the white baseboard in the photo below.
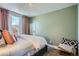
(53, 46)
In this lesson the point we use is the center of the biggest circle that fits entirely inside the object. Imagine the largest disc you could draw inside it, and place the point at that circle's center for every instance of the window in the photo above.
(15, 24)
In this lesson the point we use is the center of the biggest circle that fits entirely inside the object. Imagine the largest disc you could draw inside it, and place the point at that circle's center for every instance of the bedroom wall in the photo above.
(78, 28)
(56, 25)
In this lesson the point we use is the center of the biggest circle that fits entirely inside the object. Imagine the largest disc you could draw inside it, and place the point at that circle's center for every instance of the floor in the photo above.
(55, 52)
(52, 53)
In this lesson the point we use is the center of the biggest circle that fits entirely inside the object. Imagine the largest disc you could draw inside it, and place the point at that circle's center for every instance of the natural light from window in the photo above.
(15, 24)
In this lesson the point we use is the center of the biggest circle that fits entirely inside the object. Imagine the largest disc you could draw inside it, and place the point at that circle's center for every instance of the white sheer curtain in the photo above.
(10, 22)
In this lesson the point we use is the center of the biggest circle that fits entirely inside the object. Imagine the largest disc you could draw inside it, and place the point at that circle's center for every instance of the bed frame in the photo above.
(41, 52)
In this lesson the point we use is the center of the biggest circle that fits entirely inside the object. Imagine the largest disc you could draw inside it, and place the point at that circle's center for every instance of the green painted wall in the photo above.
(56, 25)
(78, 27)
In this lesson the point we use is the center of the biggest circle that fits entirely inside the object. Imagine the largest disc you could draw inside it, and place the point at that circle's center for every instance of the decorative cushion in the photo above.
(7, 37)
(14, 37)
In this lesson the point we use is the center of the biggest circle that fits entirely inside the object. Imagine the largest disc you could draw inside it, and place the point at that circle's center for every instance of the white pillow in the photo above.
(2, 42)
(66, 47)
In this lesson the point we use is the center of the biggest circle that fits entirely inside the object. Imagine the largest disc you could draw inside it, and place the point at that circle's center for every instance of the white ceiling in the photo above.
(34, 9)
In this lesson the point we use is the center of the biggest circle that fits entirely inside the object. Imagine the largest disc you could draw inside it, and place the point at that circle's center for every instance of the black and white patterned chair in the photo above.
(70, 42)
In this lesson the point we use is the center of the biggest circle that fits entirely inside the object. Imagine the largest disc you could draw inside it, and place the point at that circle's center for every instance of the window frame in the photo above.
(10, 22)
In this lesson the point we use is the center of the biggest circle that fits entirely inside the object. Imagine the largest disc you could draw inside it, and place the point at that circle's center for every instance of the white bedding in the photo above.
(37, 41)
(25, 44)
(18, 48)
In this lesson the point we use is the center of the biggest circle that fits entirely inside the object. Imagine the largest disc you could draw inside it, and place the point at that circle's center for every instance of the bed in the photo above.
(26, 45)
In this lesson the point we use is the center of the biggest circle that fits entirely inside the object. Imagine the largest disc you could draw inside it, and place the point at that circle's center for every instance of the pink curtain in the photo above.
(3, 19)
(25, 25)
